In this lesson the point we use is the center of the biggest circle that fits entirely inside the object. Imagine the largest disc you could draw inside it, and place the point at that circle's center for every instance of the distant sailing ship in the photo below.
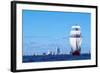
(75, 40)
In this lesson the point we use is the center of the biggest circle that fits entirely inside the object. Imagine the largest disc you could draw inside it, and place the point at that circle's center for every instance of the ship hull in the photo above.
(76, 53)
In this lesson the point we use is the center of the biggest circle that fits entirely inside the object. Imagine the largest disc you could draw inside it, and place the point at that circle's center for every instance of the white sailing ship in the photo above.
(75, 40)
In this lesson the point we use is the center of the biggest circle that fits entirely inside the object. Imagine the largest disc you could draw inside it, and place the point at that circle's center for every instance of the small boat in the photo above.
(75, 40)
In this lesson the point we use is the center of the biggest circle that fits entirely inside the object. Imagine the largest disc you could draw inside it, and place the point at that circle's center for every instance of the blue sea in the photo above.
(45, 58)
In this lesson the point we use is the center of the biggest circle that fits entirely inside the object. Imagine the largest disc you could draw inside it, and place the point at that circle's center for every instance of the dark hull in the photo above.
(76, 53)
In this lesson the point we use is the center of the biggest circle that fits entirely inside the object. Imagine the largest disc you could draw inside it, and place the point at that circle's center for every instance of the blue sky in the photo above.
(47, 30)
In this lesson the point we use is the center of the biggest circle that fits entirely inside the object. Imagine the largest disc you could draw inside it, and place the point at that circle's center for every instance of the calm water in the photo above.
(45, 58)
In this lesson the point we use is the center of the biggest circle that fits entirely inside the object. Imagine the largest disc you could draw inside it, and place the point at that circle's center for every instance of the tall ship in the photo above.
(75, 40)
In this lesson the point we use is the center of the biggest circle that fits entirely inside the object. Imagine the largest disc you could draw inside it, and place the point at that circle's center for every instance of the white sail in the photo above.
(73, 32)
(76, 27)
(73, 44)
